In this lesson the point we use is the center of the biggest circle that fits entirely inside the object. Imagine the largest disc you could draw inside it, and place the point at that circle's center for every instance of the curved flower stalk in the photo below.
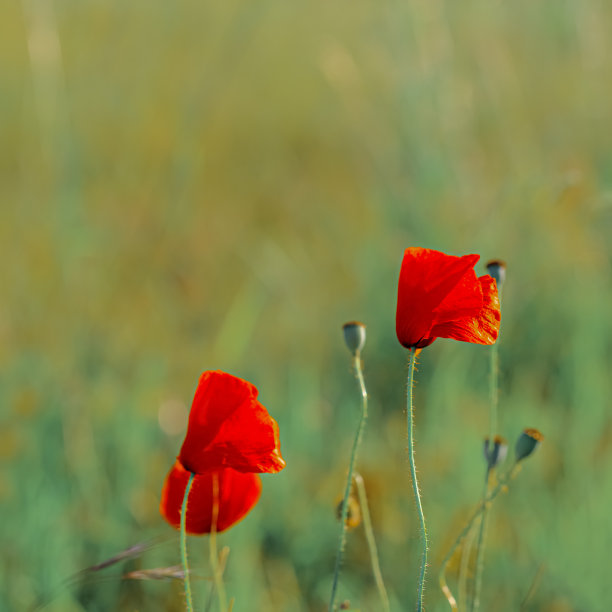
(354, 337)
(440, 296)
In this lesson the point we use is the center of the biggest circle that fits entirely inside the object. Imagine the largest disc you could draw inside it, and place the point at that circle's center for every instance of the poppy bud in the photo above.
(527, 442)
(495, 453)
(497, 269)
(353, 514)
(354, 336)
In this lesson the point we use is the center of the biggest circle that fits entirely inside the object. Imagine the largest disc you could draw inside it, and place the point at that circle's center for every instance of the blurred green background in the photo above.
(198, 185)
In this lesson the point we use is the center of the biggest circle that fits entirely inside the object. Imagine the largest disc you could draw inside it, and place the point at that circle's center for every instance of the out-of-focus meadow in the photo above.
(200, 185)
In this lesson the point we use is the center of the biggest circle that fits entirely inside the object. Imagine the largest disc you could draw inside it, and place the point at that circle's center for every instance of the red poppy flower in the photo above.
(228, 427)
(229, 434)
(238, 493)
(439, 295)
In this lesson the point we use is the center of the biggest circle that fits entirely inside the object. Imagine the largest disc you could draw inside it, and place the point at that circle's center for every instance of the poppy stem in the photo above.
(369, 533)
(415, 485)
(482, 532)
(214, 557)
(493, 391)
(186, 579)
(349, 479)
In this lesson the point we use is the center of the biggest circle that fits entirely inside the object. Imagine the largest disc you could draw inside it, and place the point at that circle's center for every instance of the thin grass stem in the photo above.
(349, 479)
(183, 537)
(214, 557)
(503, 482)
(493, 391)
(480, 545)
(535, 583)
(223, 555)
(369, 533)
(482, 532)
(464, 568)
(415, 484)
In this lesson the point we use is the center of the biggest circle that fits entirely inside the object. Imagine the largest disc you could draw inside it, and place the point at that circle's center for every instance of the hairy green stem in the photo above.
(369, 532)
(186, 579)
(349, 479)
(415, 484)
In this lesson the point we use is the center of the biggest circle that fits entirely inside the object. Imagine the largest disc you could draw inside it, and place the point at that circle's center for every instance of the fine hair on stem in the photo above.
(183, 538)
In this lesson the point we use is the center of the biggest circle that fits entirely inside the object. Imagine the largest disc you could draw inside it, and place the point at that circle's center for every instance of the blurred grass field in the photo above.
(190, 186)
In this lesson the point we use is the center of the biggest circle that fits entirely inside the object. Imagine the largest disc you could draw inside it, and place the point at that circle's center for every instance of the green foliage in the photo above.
(190, 186)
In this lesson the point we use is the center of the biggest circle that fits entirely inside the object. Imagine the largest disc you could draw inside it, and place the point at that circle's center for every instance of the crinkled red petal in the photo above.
(427, 278)
(482, 328)
(463, 300)
(228, 427)
(238, 493)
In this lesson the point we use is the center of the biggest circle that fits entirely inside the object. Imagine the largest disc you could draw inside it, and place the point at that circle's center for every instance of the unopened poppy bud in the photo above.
(354, 336)
(527, 442)
(497, 269)
(495, 453)
(353, 514)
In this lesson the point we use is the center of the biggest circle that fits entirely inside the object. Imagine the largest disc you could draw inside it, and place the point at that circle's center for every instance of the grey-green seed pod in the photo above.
(527, 442)
(495, 453)
(497, 269)
(354, 336)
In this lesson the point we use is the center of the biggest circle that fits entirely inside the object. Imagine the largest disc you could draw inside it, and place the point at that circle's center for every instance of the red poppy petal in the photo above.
(480, 329)
(228, 427)
(238, 493)
(426, 279)
(464, 300)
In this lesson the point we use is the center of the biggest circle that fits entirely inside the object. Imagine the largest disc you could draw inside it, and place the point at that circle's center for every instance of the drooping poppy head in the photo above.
(238, 492)
(440, 295)
(228, 427)
(230, 437)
